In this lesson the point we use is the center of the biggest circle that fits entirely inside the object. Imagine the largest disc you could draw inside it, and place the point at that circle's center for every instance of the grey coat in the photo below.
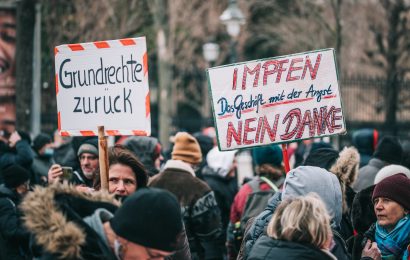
(367, 174)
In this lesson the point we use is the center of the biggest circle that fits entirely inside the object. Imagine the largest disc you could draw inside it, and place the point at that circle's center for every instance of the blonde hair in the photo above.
(301, 219)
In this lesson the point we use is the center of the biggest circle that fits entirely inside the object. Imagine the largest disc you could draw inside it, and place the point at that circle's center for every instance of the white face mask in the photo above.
(118, 249)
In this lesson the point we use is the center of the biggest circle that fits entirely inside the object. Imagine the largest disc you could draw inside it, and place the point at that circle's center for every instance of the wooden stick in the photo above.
(103, 158)
(285, 157)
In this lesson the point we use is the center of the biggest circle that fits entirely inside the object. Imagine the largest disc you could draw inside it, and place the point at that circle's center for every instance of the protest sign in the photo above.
(103, 84)
(276, 100)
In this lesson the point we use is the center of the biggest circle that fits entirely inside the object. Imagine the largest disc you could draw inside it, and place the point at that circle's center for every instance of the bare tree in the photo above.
(391, 52)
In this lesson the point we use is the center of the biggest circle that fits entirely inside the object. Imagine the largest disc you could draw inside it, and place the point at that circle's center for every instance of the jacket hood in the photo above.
(46, 220)
(363, 140)
(144, 147)
(305, 179)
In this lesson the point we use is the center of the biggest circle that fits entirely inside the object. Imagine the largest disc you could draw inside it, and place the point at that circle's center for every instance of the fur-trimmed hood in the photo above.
(48, 215)
(346, 168)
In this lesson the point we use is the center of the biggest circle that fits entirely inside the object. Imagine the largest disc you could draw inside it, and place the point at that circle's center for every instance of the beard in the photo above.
(89, 175)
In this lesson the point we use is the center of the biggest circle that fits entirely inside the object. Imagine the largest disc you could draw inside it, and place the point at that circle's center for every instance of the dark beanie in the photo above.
(396, 188)
(150, 217)
(205, 142)
(322, 157)
(40, 141)
(14, 175)
(270, 154)
(389, 150)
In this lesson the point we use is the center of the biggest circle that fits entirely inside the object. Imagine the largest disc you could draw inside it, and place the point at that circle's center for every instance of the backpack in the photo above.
(257, 200)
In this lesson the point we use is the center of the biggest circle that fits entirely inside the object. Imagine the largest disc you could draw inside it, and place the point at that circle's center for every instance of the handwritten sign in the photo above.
(276, 100)
(103, 84)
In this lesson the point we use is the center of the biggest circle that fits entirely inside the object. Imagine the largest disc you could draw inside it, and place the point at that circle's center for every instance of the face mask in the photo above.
(118, 249)
(48, 152)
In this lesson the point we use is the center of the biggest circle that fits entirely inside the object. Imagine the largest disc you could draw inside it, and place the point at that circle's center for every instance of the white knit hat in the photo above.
(220, 162)
(390, 170)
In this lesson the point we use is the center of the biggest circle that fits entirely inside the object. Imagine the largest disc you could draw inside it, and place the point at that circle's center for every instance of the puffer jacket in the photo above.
(309, 176)
(14, 237)
(269, 248)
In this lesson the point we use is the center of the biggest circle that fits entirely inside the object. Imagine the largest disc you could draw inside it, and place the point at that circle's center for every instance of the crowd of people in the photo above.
(187, 203)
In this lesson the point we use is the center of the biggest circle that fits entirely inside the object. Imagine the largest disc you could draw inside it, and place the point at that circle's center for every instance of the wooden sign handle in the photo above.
(103, 158)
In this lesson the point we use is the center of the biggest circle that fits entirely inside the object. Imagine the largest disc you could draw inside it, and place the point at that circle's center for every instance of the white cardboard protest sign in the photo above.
(276, 100)
(103, 84)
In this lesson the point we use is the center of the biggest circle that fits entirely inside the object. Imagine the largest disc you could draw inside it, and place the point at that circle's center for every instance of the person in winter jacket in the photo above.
(388, 151)
(299, 182)
(365, 140)
(87, 178)
(345, 165)
(14, 147)
(126, 174)
(268, 164)
(299, 229)
(219, 173)
(68, 224)
(43, 153)
(14, 237)
(391, 232)
(199, 208)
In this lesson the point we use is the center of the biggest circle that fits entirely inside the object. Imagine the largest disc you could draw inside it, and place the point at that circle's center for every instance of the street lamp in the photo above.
(210, 51)
(233, 18)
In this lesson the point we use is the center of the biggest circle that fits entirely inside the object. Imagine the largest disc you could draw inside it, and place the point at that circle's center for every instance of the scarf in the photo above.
(393, 244)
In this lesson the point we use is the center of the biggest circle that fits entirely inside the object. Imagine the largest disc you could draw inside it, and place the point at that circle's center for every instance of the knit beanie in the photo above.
(150, 217)
(271, 154)
(14, 175)
(390, 170)
(396, 188)
(205, 142)
(322, 157)
(389, 150)
(40, 141)
(186, 148)
(89, 146)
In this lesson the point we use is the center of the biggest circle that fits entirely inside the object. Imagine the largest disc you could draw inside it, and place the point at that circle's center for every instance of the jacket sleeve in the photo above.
(10, 224)
(23, 156)
(207, 225)
(183, 252)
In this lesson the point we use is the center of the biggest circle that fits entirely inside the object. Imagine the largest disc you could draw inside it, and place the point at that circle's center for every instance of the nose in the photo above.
(121, 186)
(378, 205)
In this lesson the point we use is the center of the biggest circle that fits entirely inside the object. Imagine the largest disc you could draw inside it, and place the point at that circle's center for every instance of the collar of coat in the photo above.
(177, 164)
(50, 227)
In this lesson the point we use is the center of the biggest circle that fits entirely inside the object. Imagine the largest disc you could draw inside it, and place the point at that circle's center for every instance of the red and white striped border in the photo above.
(95, 46)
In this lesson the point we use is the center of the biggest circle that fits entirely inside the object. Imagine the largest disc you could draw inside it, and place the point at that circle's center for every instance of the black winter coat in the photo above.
(14, 237)
(200, 211)
(268, 248)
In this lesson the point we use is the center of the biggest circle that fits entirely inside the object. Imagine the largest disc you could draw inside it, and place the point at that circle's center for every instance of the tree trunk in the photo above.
(165, 92)
(24, 62)
(391, 88)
